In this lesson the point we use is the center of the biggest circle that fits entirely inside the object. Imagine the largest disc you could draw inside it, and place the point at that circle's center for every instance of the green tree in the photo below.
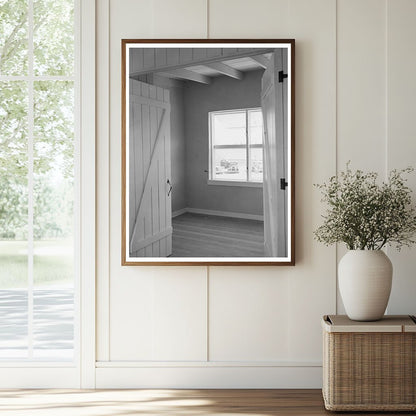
(53, 120)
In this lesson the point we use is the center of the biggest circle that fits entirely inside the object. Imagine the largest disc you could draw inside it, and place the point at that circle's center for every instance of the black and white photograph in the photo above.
(208, 152)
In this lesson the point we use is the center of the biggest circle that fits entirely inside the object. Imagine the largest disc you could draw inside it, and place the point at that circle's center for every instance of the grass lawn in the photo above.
(52, 263)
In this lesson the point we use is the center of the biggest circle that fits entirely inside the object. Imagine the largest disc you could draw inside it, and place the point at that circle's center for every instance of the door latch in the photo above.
(283, 184)
(282, 76)
(170, 187)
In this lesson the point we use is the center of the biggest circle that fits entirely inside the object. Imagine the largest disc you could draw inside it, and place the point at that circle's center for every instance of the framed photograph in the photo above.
(208, 130)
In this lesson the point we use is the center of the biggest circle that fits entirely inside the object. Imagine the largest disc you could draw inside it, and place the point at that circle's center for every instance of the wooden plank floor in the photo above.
(196, 235)
(165, 402)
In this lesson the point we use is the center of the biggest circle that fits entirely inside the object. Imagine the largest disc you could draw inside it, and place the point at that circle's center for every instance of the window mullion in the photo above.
(247, 150)
(38, 78)
(30, 140)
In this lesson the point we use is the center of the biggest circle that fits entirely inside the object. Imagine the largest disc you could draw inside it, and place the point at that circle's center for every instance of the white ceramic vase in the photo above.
(364, 278)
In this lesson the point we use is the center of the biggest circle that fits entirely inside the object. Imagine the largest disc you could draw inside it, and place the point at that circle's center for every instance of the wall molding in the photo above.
(204, 364)
(266, 377)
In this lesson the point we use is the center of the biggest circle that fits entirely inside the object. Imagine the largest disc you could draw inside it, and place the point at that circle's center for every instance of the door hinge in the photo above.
(282, 76)
(283, 184)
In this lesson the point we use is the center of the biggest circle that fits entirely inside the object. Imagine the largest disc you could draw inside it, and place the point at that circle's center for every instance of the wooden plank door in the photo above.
(150, 206)
(274, 107)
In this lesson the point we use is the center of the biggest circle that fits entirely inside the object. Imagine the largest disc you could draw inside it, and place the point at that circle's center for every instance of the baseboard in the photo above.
(210, 377)
(217, 213)
(179, 212)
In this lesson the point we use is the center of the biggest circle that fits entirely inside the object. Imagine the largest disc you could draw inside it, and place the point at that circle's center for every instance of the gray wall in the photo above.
(223, 93)
(178, 148)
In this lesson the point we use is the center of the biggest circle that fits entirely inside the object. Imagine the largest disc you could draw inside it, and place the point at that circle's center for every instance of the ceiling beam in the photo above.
(225, 70)
(185, 74)
(261, 60)
(202, 61)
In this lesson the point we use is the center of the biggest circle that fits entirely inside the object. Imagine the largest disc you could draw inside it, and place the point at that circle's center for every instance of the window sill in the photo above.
(235, 183)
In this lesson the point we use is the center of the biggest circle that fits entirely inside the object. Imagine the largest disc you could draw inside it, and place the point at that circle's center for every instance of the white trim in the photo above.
(30, 140)
(103, 177)
(179, 212)
(88, 250)
(37, 364)
(247, 146)
(290, 189)
(44, 377)
(217, 182)
(225, 214)
(203, 364)
(211, 377)
(77, 188)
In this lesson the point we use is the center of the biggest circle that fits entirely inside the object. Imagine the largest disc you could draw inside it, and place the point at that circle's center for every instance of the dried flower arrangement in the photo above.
(366, 215)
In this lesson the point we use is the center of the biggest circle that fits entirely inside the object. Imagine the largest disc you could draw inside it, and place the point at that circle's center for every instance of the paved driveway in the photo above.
(53, 323)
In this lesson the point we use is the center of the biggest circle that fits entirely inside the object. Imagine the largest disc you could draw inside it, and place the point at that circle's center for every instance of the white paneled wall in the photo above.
(401, 132)
(252, 327)
(361, 88)
(247, 326)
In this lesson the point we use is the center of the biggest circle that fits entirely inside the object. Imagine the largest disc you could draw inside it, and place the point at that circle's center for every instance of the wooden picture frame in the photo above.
(151, 69)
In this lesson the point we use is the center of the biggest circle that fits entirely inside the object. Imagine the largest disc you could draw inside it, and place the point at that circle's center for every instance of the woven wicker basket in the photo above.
(369, 366)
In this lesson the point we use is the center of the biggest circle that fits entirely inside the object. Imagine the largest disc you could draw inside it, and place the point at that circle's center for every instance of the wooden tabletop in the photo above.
(390, 323)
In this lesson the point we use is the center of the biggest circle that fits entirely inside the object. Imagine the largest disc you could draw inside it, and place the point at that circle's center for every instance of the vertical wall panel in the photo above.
(361, 89)
(250, 325)
(179, 18)
(401, 145)
(361, 84)
(162, 316)
(248, 19)
(312, 281)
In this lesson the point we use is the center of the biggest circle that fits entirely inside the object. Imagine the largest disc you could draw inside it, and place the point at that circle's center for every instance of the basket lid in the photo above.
(390, 323)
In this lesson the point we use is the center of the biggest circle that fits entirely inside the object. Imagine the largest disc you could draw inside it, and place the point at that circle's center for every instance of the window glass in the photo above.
(37, 181)
(230, 128)
(256, 165)
(13, 219)
(13, 37)
(255, 127)
(53, 37)
(230, 164)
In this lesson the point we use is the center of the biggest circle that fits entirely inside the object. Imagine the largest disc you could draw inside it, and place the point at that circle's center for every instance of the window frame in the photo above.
(30, 79)
(247, 146)
(80, 372)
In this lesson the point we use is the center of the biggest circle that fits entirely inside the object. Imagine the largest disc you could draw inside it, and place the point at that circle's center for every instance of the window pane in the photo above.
(14, 321)
(53, 37)
(255, 126)
(13, 219)
(13, 37)
(53, 196)
(53, 319)
(256, 165)
(230, 165)
(229, 128)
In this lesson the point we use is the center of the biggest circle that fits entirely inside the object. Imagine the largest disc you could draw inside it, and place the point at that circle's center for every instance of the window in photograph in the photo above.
(236, 146)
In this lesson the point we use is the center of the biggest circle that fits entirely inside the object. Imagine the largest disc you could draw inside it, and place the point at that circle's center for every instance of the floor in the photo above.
(197, 235)
(165, 402)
